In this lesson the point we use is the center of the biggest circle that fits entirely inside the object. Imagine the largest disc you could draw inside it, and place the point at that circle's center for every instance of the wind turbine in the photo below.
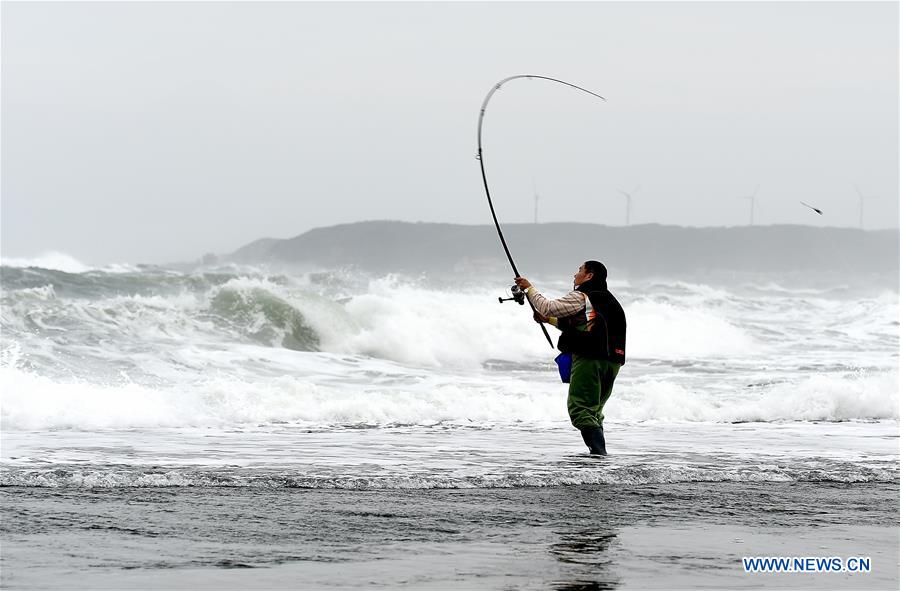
(536, 198)
(752, 199)
(628, 197)
(862, 200)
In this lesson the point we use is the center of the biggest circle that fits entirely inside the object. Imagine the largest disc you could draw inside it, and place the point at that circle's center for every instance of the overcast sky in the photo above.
(154, 132)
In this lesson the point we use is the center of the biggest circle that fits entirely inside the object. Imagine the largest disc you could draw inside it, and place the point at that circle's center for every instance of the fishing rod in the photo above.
(517, 294)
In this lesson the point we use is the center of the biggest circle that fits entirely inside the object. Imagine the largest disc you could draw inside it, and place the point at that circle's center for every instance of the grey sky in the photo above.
(152, 132)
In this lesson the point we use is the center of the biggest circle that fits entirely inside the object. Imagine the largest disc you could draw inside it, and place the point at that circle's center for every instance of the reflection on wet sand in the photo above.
(590, 550)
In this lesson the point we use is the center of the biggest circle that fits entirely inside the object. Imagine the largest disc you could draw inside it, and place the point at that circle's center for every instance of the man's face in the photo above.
(581, 276)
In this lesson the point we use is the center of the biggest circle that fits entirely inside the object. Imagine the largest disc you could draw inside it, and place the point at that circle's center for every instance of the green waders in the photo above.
(590, 386)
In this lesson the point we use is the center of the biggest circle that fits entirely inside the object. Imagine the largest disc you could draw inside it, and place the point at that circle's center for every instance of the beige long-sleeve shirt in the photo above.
(569, 304)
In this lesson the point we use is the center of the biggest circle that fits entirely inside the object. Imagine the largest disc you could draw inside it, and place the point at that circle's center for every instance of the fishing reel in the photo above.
(518, 295)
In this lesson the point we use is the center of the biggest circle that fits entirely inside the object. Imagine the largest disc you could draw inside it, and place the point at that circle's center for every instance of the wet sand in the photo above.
(673, 536)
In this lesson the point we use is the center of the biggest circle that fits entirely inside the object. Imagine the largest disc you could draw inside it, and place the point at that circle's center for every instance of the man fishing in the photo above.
(593, 332)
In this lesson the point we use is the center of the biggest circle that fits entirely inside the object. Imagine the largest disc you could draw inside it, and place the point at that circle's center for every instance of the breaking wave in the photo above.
(587, 471)
(385, 318)
(160, 348)
(848, 397)
(386, 394)
(58, 261)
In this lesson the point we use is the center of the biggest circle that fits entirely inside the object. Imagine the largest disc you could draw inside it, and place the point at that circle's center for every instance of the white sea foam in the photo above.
(56, 261)
(667, 331)
(165, 379)
(586, 473)
(423, 327)
(392, 395)
(417, 326)
(410, 324)
(59, 261)
(31, 401)
(826, 398)
(813, 398)
(419, 355)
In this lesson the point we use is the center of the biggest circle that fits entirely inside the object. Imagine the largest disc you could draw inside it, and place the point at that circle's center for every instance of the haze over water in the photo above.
(254, 121)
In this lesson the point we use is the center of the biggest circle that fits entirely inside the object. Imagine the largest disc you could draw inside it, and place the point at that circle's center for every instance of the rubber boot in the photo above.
(593, 438)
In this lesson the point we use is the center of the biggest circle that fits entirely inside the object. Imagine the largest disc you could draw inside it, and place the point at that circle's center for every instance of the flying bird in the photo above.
(818, 211)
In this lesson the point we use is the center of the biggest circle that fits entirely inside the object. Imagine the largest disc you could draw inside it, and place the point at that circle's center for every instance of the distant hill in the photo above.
(644, 250)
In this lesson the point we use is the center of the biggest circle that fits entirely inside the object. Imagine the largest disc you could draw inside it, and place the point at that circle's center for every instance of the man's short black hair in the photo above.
(597, 268)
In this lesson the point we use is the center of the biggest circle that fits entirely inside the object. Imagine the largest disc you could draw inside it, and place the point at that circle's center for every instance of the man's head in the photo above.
(590, 270)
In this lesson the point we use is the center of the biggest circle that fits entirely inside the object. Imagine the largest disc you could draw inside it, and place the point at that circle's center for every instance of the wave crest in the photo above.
(264, 317)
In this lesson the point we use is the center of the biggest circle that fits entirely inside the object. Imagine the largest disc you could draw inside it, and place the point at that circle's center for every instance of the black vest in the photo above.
(605, 335)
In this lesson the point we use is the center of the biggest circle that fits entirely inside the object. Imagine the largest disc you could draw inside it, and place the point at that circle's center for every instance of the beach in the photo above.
(672, 536)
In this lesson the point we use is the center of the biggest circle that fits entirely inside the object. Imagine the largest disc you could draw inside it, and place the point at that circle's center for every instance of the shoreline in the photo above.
(684, 535)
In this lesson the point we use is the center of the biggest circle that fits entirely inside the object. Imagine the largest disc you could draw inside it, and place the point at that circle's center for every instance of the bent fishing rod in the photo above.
(518, 296)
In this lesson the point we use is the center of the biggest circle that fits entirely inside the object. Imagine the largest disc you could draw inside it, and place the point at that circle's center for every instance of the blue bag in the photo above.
(564, 362)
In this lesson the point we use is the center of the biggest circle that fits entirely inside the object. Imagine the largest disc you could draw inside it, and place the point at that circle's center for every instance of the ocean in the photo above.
(247, 427)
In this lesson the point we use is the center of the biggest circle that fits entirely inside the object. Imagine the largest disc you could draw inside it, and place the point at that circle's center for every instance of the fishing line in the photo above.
(487, 191)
